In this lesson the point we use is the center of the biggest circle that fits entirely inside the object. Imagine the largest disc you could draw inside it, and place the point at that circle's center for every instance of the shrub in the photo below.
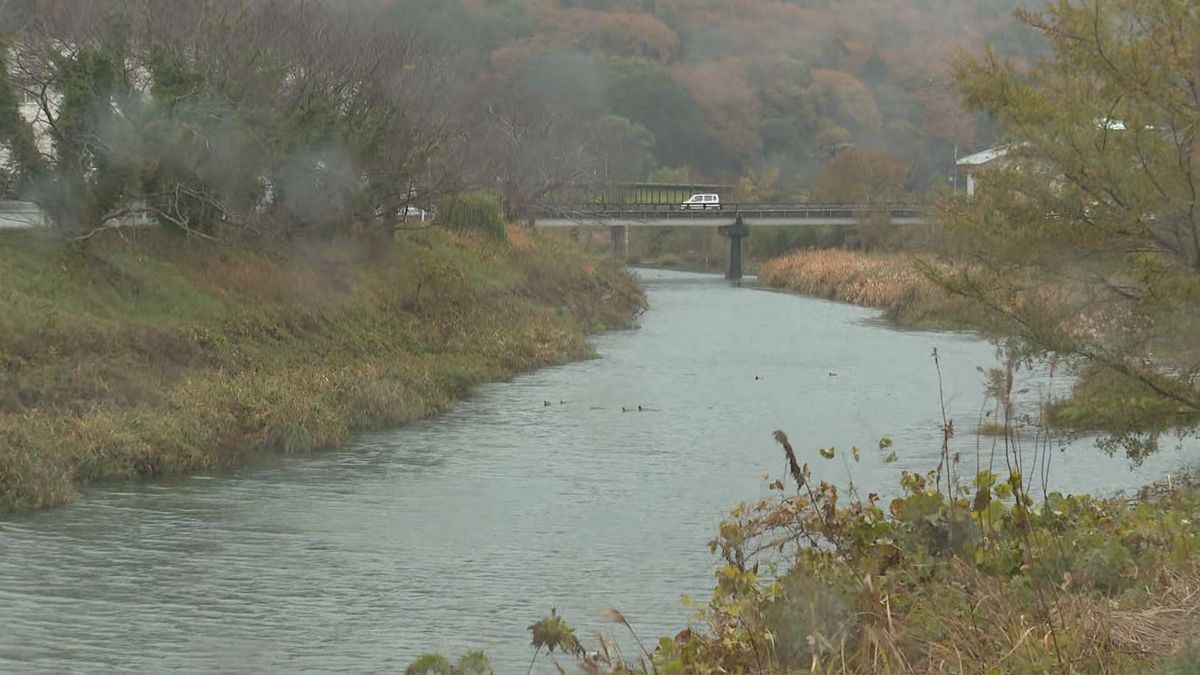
(430, 664)
(471, 663)
(474, 211)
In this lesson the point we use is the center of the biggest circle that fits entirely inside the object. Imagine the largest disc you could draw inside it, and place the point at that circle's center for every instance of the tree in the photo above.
(731, 109)
(216, 118)
(624, 149)
(860, 176)
(648, 95)
(16, 136)
(1098, 192)
(789, 107)
(568, 78)
(530, 149)
(847, 101)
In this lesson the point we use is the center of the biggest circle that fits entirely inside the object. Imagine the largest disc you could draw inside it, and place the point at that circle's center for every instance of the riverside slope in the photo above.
(161, 356)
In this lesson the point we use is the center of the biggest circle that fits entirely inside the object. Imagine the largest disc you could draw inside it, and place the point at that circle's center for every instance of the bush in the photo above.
(474, 211)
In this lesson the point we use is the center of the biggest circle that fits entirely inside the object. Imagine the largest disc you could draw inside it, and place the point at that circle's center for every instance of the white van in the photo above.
(702, 201)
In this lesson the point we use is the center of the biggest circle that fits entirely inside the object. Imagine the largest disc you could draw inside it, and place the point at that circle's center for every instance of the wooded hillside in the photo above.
(312, 114)
(768, 90)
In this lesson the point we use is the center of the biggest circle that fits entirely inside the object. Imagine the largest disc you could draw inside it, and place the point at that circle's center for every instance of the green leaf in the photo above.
(553, 633)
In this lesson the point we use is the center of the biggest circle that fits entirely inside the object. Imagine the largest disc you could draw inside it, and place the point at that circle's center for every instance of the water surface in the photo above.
(460, 531)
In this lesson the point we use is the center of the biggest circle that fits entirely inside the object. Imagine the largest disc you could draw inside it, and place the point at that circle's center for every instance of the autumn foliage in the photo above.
(739, 88)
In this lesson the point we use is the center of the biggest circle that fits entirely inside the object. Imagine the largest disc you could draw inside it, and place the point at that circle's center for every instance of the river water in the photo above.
(460, 531)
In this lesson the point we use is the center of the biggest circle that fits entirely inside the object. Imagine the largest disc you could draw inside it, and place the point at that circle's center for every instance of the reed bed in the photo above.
(887, 281)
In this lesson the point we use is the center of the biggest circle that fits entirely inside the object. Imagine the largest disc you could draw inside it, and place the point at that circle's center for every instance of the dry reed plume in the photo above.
(876, 280)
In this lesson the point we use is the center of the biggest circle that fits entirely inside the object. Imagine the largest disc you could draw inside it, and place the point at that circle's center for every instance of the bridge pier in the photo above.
(620, 240)
(735, 233)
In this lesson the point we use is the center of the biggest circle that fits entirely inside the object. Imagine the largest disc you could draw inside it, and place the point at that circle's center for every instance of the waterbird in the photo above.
(758, 377)
(833, 374)
(640, 408)
(545, 404)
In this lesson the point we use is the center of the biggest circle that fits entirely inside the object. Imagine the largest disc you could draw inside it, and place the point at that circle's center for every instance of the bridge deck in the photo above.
(751, 214)
(711, 222)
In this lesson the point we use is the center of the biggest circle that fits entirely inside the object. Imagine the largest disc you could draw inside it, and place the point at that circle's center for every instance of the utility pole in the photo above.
(954, 172)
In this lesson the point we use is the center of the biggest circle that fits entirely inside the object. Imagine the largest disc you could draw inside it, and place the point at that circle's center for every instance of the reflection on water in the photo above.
(460, 531)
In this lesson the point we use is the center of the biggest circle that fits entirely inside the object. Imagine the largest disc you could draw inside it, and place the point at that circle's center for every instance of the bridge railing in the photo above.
(675, 211)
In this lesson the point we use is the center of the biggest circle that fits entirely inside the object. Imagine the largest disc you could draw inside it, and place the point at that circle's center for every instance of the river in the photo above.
(460, 531)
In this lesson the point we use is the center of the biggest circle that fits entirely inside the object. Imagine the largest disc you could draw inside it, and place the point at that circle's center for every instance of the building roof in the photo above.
(983, 156)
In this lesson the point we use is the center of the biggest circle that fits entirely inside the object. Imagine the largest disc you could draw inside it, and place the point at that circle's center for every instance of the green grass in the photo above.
(161, 356)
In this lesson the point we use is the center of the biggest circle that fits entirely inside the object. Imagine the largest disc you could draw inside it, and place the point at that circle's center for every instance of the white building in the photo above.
(973, 163)
(30, 108)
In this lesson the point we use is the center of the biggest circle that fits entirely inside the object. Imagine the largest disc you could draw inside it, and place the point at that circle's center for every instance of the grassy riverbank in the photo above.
(887, 281)
(159, 357)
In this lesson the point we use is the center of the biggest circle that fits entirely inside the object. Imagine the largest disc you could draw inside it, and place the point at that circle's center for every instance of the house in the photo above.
(973, 163)
(33, 109)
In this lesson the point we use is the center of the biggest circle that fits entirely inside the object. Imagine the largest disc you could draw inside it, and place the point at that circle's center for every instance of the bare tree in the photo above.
(530, 149)
(224, 115)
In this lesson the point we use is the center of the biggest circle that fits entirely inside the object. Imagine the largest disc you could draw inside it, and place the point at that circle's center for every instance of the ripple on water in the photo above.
(458, 532)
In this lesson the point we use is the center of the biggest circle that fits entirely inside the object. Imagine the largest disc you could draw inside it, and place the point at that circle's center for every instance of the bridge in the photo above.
(731, 220)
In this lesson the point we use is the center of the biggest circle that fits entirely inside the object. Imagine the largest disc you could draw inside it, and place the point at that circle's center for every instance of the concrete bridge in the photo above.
(731, 220)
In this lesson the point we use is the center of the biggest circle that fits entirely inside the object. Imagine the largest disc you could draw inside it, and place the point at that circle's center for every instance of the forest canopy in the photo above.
(225, 114)
(741, 88)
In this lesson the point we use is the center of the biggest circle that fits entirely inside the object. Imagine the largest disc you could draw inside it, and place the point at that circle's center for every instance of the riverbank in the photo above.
(990, 581)
(157, 357)
(533, 506)
(887, 281)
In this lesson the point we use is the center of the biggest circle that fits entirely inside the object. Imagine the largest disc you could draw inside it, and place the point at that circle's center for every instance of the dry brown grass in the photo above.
(1169, 623)
(888, 281)
(979, 628)
(871, 280)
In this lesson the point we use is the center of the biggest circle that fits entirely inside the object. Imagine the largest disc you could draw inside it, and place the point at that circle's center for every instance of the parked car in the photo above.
(415, 213)
(702, 201)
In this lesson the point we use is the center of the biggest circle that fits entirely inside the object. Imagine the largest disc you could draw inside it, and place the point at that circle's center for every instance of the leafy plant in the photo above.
(474, 211)
(553, 633)
(471, 663)
(430, 664)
